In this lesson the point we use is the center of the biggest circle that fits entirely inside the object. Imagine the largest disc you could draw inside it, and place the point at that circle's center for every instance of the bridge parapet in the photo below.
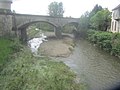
(13, 21)
(24, 20)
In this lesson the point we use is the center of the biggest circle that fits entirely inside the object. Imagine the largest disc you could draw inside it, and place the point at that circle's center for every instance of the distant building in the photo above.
(115, 23)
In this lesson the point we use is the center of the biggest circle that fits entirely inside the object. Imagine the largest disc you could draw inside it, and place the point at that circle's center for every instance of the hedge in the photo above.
(108, 41)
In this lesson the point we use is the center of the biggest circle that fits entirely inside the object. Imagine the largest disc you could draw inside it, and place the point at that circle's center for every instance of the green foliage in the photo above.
(85, 19)
(102, 39)
(108, 41)
(68, 28)
(91, 34)
(95, 10)
(98, 19)
(116, 44)
(56, 9)
(89, 20)
(84, 22)
(101, 20)
(83, 25)
(31, 32)
(7, 48)
(16, 45)
(41, 26)
(44, 26)
(34, 73)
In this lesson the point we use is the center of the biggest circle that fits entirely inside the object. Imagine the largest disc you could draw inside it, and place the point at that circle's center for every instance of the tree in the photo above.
(95, 10)
(84, 21)
(101, 20)
(56, 9)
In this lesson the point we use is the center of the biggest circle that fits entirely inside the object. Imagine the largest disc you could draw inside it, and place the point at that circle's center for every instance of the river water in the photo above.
(93, 66)
(98, 69)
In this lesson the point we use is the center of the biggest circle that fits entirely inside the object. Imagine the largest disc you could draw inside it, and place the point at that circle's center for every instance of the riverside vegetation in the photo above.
(108, 41)
(7, 48)
(23, 71)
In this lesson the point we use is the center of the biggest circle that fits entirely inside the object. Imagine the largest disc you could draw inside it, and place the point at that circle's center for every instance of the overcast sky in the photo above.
(74, 8)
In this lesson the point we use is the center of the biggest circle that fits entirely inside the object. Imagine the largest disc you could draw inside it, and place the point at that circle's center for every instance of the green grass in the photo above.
(26, 72)
(32, 33)
(5, 50)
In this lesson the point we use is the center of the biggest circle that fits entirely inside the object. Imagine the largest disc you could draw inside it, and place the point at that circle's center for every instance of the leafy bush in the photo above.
(116, 44)
(91, 34)
(106, 40)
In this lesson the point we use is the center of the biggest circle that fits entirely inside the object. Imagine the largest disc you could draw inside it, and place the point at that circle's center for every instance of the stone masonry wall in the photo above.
(6, 25)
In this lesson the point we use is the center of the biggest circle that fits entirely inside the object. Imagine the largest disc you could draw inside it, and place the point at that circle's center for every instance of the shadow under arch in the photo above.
(72, 23)
(72, 26)
(27, 24)
(22, 32)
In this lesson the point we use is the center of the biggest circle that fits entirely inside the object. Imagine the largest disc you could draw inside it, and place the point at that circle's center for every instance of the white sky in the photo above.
(74, 8)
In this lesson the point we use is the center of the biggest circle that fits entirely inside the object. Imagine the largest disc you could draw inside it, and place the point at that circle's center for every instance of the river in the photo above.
(93, 66)
(98, 69)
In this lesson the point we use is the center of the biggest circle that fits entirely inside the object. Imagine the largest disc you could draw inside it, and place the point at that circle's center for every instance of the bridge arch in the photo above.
(27, 24)
(23, 32)
(22, 29)
(22, 21)
(73, 26)
(72, 23)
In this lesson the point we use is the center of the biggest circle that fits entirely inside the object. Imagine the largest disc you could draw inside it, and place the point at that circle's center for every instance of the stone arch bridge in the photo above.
(19, 23)
(22, 21)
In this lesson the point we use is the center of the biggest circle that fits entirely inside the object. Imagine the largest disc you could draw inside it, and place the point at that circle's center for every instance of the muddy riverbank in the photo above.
(57, 47)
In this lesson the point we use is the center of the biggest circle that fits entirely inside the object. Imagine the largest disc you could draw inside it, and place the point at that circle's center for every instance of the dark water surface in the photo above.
(94, 66)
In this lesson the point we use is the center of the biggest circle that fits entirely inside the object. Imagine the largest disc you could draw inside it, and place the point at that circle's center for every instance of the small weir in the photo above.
(35, 43)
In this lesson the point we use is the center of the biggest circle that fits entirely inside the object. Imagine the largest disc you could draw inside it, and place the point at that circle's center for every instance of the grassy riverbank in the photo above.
(108, 41)
(7, 48)
(26, 72)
